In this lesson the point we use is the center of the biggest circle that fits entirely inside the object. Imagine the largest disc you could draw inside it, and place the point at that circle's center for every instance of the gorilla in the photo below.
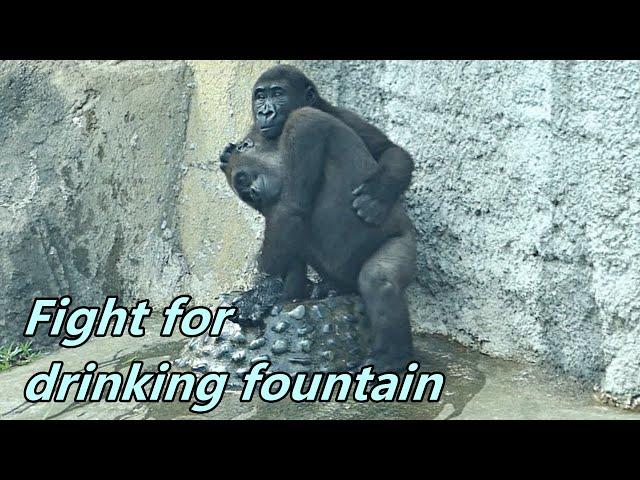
(284, 88)
(300, 166)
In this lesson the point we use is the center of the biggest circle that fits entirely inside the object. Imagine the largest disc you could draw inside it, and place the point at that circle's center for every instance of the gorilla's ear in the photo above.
(311, 96)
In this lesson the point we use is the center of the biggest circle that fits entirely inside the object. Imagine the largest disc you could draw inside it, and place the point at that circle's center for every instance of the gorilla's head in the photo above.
(255, 180)
(278, 92)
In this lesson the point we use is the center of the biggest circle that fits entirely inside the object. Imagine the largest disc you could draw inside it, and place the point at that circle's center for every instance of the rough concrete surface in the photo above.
(526, 194)
(527, 199)
(90, 157)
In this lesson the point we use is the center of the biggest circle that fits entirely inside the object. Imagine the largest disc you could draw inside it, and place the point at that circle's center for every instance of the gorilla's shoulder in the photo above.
(312, 118)
(311, 113)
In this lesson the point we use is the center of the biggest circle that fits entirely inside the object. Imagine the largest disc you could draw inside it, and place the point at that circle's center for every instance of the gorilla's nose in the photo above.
(266, 115)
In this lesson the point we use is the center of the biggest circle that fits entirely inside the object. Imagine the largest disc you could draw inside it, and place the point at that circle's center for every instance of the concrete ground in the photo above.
(477, 387)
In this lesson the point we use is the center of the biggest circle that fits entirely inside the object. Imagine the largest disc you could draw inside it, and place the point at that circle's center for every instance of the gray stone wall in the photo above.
(90, 156)
(527, 199)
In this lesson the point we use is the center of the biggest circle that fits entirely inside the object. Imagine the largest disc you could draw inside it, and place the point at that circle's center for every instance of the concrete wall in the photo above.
(527, 199)
(220, 235)
(90, 161)
(526, 193)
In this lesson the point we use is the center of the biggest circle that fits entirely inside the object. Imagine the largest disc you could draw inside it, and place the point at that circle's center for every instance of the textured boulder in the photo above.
(312, 336)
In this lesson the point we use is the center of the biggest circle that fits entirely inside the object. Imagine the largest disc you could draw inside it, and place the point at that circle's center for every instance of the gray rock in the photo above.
(239, 338)
(297, 313)
(305, 345)
(318, 312)
(327, 328)
(305, 330)
(72, 191)
(281, 326)
(350, 318)
(257, 343)
(239, 356)
(224, 350)
(261, 358)
(200, 368)
(328, 355)
(280, 346)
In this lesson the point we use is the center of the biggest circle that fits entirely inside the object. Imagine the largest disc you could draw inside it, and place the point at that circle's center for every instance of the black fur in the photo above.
(302, 181)
(378, 192)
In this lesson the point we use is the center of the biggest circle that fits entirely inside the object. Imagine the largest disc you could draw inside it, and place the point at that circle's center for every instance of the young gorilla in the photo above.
(283, 88)
(301, 176)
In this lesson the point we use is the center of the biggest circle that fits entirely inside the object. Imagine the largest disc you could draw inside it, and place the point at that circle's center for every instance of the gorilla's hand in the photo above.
(256, 303)
(375, 197)
(226, 154)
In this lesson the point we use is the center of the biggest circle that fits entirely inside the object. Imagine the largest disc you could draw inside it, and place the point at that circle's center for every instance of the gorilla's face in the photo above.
(255, 183)
(273, 101)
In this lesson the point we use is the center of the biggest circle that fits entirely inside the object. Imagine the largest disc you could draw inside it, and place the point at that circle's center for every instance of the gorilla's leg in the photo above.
(382, 283)
(296, 283)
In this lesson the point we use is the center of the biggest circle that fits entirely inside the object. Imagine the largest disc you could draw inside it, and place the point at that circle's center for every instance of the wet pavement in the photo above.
(477, 387)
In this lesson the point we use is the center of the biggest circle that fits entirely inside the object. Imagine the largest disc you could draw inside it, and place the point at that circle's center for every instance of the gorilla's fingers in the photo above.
(226, 153)
(372, 211)
(362, 200)
(360, 189)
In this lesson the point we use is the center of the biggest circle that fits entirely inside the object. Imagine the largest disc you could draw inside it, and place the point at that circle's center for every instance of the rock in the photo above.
(280, 346)
(350, 318)
(300, 360)
(305, 330)
(281, 326)
(328, 355)
(257, 343)
(224, 350)
(239, 338)
(180, 363)
(295, 348)
(239, 356)
(297, 312)
(261, 358)
(200, 368)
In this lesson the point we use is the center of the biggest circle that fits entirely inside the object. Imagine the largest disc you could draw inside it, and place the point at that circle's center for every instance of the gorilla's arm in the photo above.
(376, 196)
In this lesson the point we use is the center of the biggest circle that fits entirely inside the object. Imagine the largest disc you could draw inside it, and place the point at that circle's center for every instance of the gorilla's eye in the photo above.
(260, 96)
(241, 180)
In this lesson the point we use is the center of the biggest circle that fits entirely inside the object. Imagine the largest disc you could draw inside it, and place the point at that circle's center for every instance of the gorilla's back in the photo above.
(340, 240)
